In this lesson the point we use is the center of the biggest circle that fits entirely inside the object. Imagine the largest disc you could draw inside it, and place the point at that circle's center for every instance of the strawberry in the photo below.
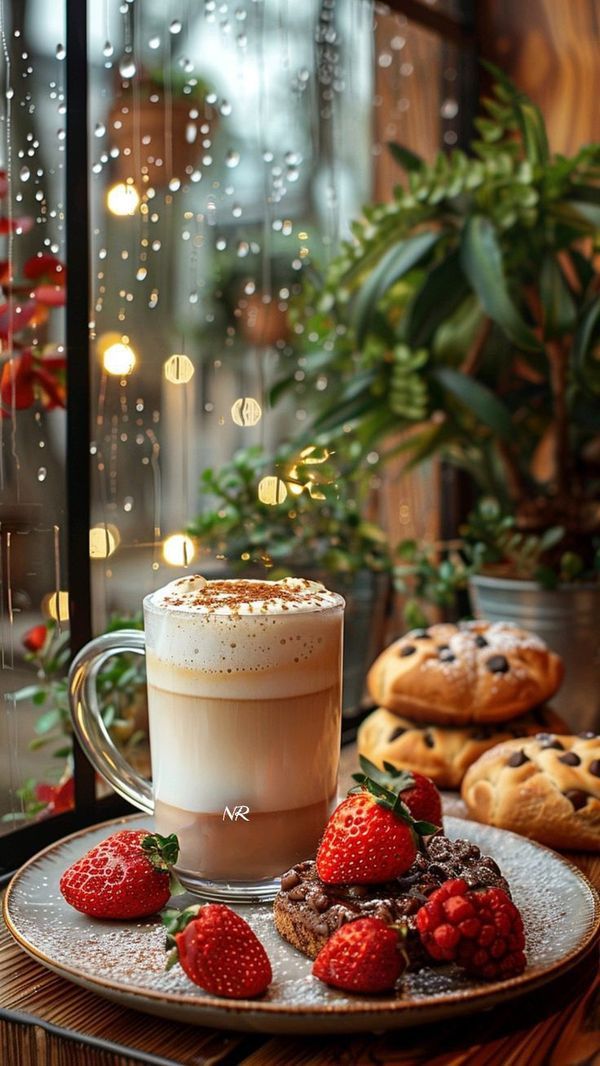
(371, 836)
(417, 791)
(128, 875)
(362, 956)
(218, 950)
(481, 930)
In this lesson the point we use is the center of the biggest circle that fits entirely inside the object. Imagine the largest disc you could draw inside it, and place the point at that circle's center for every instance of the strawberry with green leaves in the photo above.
(128, 875)
(218, 950)
(372, 835)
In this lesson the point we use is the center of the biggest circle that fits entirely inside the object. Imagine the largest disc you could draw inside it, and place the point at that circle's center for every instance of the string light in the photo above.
(179, 369)
(104, 540)
(271, 490)
(119, 359)
(178, 550)
(246, 411)
(122, 199)
(56, 606)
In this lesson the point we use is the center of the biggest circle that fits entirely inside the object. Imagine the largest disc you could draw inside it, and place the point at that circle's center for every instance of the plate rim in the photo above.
(506, 989)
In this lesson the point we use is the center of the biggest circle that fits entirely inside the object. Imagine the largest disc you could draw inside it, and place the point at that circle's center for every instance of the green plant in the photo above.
(319, 523)
(467, 311)
(118, 684)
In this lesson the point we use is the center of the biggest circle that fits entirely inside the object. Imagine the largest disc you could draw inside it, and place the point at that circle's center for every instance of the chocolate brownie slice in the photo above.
(307, 911)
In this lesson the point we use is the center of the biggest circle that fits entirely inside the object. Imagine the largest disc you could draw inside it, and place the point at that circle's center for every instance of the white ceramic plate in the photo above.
(124, 961)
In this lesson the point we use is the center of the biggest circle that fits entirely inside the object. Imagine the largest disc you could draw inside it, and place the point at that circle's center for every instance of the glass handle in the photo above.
(87, 718)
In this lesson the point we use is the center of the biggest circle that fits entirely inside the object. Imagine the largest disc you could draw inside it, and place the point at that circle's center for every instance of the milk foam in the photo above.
(278, 638)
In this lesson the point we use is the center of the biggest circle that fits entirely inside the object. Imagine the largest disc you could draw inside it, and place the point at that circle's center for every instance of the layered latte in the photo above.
(244, 693)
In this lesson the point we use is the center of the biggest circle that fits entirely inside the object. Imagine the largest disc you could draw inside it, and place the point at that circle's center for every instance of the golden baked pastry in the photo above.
(443, 753)
(474, 672)
(546, 788)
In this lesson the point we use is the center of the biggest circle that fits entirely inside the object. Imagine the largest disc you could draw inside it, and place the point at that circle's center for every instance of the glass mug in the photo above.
(244, 707)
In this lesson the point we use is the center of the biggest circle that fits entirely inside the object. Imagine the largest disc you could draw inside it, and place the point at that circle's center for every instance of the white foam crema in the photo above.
(243, 639)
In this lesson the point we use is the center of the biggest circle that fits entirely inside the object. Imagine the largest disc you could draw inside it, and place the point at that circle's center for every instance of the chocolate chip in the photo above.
(577, 797)
(587, 734)
(419, 634)
(570, 758)
(517, 758)
(320, 902)
(290, 880)
(447, 656)
(594, 767)
(550, 742)
(480, 641)
(299, 892)
(497, 664)
(321, 929)
(408, 649)
(429, 741)
(397, 733)
(358, 891)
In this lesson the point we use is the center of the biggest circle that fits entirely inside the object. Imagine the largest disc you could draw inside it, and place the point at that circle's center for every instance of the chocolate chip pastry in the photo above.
(444, 753)
(546, 788)
(456, 675)
(307, 911)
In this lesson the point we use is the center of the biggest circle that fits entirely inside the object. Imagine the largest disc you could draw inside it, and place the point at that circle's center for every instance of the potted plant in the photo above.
(159, 130)
(313, 526)
(467, 311)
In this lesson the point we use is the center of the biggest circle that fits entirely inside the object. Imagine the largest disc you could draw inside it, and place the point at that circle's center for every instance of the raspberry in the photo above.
(481, 930)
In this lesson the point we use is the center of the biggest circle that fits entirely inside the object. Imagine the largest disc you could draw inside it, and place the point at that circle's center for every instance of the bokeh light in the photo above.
(178, 550)
(246, 411)
(271, 490)
(179, 369)
(104, 540)
(122, 199)
(119, 359)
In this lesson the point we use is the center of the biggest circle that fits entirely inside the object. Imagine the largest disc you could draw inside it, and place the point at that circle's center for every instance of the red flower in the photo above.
(35, 638)
(15, 318)
(15, 225)
(26, 376)
(47, 267)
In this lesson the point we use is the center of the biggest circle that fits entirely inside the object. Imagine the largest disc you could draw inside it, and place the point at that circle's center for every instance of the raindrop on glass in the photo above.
(127, 67)
(61, 135)
(232, 159)
(154, 42)
(242, 249)
(449, 108)
(236, 211)
(141, 273)
(61, 52)
(108, 49)
(128, 503)
(293, 174)
(24, 173)
(99, 129)
(385, 59)
(9, 94)
(42, 473)
(174, 184)
(225, 107)
(175, 26)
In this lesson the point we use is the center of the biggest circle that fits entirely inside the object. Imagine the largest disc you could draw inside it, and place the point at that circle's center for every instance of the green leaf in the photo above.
(47, 721)
(478, 398)
(481, 259)
(559, 306)
(529, 117)
(396, 262)
(589, 212)
(408, 160)
(583, 340)
(443, 290)
(26, 693)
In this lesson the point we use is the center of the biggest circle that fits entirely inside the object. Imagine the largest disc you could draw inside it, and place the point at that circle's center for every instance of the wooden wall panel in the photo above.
(551, 48)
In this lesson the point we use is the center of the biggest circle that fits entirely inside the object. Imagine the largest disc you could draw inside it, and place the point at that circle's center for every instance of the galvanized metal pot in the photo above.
(568, 619)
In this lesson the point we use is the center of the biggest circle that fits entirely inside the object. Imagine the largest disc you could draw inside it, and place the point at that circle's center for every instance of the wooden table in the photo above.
(46, 1021)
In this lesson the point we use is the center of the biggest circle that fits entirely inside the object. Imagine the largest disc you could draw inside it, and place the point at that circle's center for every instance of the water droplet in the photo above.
(42, 473)
(304, 74)
(232, 158)
(449, 108)
(293, 174)
(225, 107)
(175, 26)
(242, 40)
(221, 244)
(128, 503)
(99, 129)
(236, 211)
(24, 173)
(108, 49)
(141, 273)
(385, 59)
(9, 94)
(174, 184)
(61, 51)
(127, 67)
(242, 249)
(61, 134)
(154, 42)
